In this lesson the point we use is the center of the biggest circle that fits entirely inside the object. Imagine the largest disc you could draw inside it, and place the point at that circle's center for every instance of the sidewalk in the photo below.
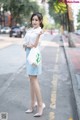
(73, 60)
(7, 41)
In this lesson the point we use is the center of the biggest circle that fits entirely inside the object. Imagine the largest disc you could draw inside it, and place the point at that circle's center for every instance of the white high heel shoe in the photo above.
(31, 110)
(40, 114)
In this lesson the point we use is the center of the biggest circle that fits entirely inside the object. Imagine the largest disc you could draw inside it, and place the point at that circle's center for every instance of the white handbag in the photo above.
(34, 56)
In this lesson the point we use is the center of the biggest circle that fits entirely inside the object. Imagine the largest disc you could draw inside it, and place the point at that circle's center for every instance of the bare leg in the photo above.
(33, 95)
(35, 91)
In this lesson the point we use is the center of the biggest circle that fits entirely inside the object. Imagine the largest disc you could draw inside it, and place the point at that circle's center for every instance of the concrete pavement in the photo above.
(12, 57)
(7, 41)
(55, 85)
(14, 98)
(73, 60)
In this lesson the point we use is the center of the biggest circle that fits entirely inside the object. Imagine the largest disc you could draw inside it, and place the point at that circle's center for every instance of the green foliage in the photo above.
(58, 11)
(78, 27)
(59, 7)
(78, 20)
(57, 26)
(52, 13)
(20, 9)
(47, 24)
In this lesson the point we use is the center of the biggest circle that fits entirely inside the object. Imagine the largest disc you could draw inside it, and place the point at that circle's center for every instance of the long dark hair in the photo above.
(40, 17)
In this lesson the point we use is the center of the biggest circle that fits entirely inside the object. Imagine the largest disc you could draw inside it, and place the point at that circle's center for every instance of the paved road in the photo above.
(55, 85)
(11, 59)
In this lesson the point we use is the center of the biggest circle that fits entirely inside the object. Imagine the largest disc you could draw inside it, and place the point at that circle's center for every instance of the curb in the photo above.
(73, 79)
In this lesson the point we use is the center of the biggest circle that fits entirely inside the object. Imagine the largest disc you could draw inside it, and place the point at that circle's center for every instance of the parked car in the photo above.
(5, 30)
(15, 32)
(23, 30)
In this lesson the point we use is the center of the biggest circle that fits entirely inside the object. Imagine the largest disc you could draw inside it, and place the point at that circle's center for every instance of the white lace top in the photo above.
(31, 35)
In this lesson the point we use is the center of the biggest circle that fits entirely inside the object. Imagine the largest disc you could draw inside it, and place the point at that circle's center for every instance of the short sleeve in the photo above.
(37, 31)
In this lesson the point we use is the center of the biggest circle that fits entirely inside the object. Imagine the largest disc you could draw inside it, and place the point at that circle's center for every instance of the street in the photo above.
(55, 81)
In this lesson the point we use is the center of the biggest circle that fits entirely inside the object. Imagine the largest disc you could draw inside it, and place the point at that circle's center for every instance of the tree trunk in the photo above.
(70, 28)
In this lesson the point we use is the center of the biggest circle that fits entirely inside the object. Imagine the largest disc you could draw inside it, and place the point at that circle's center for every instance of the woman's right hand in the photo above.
(27, 46)
(41, 32)
(24, 46)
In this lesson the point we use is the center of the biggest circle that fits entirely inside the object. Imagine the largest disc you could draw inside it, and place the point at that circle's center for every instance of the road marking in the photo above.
(54, 88)
(21, 69)
(70, 119)
(51, 115)
(7, 84)
(10, 80)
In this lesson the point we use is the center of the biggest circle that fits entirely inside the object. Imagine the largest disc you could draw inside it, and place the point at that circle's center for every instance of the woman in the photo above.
(32, 40)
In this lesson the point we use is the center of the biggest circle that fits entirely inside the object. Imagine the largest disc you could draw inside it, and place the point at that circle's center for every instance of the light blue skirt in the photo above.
(30, 69)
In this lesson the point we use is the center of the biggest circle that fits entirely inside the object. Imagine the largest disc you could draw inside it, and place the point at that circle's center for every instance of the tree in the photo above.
(62, 13)
(78, 20)
(58, 11)
(20, 8)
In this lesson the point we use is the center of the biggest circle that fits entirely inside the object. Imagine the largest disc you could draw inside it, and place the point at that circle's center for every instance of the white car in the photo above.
(5, 30)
